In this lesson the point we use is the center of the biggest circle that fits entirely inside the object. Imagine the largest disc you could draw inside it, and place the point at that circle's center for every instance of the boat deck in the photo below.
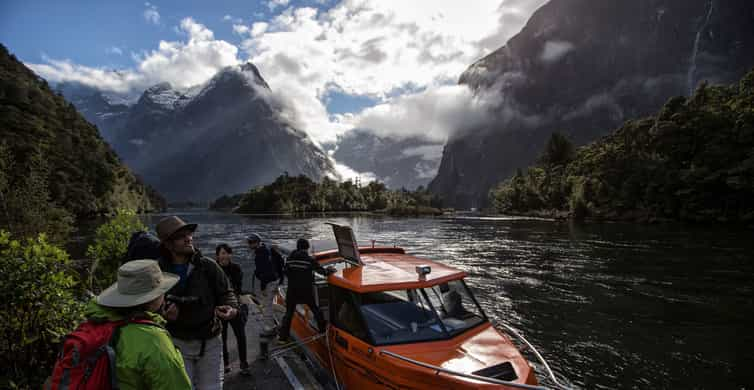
(286, 371)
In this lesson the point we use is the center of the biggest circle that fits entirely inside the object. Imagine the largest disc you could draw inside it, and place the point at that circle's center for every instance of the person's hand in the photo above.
(226, 312)
(171, 312)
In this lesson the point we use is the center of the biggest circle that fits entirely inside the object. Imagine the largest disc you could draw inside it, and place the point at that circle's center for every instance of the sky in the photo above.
(390, 66)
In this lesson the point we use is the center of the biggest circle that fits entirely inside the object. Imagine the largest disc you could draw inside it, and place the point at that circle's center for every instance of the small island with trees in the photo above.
(301, 195)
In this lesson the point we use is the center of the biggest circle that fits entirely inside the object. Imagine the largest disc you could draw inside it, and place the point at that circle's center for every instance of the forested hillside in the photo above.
(693, 161)
(54, 166)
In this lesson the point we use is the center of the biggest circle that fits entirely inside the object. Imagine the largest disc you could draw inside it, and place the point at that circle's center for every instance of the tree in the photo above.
(559, 150)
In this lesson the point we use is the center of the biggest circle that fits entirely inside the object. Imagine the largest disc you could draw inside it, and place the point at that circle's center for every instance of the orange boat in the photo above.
(400, 322)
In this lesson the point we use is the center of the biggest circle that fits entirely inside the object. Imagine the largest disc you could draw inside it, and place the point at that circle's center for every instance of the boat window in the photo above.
(401, 316)
(344, 313)
(413, 315)
(457, 307)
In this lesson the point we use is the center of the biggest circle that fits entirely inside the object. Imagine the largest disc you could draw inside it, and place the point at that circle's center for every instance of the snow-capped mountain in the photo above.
(223, 137)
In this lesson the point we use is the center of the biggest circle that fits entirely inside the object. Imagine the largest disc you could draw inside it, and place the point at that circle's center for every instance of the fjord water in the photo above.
(609, 305)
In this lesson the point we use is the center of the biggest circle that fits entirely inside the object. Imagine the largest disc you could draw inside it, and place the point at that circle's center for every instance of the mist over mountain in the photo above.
(399, 163)
(222, 137)
(582, 68)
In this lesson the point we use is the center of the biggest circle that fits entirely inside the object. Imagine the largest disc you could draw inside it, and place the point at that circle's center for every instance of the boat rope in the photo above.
(332, 364)
(291, 346)
(537, 354)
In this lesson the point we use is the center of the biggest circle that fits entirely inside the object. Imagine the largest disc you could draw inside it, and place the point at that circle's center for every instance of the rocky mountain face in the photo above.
(399, 163)
(583, 67)
(222, 137)
(107, 112)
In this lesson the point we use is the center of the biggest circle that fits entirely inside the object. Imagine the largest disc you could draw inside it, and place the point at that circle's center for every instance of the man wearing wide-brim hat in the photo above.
(145, 355)
(198, 301)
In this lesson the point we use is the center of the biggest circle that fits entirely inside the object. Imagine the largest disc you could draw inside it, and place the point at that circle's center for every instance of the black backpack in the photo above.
(278, 262)
(142, 245)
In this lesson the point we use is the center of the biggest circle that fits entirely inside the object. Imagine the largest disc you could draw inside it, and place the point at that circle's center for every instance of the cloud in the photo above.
(150, 14)
(426, 152)
(434, 114)
(555, 50)
(343, 172)
(114, 50)
(380, 49)
(240, 29)
(272, 4)
(374, 48)
(183, 64)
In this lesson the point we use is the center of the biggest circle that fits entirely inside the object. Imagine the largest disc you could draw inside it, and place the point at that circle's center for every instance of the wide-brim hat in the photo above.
(168, 226)
(139, 282)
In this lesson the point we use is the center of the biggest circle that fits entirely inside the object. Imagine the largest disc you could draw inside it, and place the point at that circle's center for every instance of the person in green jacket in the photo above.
(145, 355)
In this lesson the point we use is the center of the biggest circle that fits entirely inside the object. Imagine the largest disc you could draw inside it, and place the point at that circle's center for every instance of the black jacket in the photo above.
(300, 268)
(266, 267)
(206, 287)
(235, 276)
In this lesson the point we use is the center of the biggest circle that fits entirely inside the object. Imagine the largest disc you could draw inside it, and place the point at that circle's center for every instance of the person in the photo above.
(201, 298)
(224, 253)
(300, 269)
(269, 273)
(145, 357)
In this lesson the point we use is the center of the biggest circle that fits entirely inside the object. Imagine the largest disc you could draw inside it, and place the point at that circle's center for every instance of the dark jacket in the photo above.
(300, 268)
(266, 269)
(206, 287)
(235, 276)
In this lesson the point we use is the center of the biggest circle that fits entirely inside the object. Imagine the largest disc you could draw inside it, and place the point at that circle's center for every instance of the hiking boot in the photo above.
(283, 341)
(227, 368)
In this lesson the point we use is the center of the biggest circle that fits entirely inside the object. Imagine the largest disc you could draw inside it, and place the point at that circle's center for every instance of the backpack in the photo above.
(278, 262)
(142, 245)
(87, 357)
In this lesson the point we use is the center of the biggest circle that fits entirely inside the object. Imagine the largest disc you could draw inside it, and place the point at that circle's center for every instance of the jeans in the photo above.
(204, 369)
(239, 331)
(290, 308)
(266, 299)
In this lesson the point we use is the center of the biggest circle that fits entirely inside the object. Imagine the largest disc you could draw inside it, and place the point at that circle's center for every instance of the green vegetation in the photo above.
(299, 194)
(54, 166)
(693, 161)
(109, 248)
(38, 306)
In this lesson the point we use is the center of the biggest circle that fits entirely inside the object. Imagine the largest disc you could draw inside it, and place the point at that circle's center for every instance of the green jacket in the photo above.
(145, 355)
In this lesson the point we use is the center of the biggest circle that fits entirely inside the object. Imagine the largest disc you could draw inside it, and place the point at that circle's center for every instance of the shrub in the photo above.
(109, 248)
(37, 305)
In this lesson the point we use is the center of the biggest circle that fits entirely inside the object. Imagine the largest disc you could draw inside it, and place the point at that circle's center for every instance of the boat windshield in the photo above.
(436, 313)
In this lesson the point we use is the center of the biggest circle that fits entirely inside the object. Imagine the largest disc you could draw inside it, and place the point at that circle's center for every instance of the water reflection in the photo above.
(609, 305)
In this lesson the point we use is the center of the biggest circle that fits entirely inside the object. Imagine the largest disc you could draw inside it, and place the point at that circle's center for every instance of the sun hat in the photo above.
(168, 226)
(139, 281)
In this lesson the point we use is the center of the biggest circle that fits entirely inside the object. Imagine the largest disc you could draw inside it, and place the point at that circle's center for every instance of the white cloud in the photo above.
(377, 49)
(434, 114)
(346, 173)
(183, 64)
(555, 50)
(426, 152)
(240, 29)
(114, 50)
(272, 4)
(150, 14)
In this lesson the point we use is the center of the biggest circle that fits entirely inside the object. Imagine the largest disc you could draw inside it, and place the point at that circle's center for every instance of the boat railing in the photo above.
(536, 353)
(462, 374)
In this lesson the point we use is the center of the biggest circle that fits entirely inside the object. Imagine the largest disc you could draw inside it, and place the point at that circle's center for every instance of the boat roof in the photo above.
(388, 268)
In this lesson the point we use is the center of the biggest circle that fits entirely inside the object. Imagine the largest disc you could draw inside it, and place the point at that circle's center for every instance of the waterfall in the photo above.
(692, 66)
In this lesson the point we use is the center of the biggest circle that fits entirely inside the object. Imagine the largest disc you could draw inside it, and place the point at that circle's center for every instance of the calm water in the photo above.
(609, 305)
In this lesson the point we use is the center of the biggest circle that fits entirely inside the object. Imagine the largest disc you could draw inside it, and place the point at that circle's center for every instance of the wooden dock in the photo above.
(288, 370)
